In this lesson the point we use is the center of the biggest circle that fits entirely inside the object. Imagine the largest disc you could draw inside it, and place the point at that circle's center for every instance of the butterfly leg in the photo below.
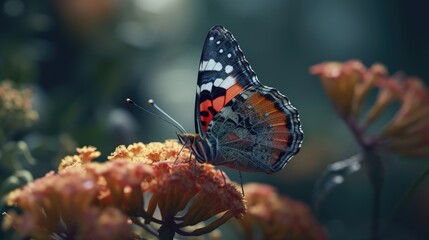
(178, 154)
(195, 164)
(223, 175)
(241, 177)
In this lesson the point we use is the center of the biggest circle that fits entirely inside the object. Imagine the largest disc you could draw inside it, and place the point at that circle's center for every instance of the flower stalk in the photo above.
(406, 134)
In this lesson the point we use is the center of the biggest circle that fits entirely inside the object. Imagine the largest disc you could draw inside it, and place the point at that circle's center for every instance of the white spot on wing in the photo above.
(210, 65)
(224, 83)
(229, 55)
(228, 69)
(203, 65)
(198, 90)
(221, 50)
(207, 86)
(228, 82)
(211, 38)
(217, 82)
(217, 66)
(218, 42)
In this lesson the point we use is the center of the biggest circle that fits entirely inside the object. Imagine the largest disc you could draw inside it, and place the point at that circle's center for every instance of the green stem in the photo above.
(166, 232)
(411, 190)
(375, 173)
(146, 227)
(375, 221)
(406, 196)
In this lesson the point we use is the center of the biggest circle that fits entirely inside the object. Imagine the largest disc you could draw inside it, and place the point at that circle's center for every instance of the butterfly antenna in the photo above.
(173, 122)
(152, 102)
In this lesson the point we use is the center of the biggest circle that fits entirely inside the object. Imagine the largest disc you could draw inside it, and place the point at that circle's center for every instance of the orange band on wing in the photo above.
(217, 104)
(205, 120)
(233, 91)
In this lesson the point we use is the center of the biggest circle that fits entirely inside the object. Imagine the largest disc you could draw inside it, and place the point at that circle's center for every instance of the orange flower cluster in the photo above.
(152, 185)
(16, 110)
(348, 85)
(277, 217)
(62, 207)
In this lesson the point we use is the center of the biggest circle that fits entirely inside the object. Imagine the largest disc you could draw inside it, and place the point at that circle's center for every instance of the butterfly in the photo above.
(240, 123)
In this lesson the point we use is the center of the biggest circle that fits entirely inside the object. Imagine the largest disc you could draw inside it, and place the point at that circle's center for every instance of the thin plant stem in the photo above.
(374, 171)
(375, 221)
(375, 174)
(137, 221)
(411, 190)
(406, 196)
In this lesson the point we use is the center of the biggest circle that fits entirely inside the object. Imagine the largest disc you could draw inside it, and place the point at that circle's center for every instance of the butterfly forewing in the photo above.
(223, 74)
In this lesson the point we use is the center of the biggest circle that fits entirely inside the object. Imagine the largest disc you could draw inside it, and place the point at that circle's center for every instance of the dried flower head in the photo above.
(16, 111)
(183, 194)
(121, 184)
(348, 85)
(408, 132)
(62, 206)
(185, 199)
(340, 81)
(271, 216)
(146, 183)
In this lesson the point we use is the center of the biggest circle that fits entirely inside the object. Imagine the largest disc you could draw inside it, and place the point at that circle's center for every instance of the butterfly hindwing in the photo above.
(259, 130)
(223, 74)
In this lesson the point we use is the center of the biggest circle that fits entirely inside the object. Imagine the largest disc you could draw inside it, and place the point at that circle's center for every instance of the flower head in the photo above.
(389, 90)
(16, 110)
(348, 85)
(184, 194)
(204, 196)
(63, 205)
(149, 153)
(277, 217)
(408, 132)
(86, 155)
(145, 183)
(121, 184)
(340, 81)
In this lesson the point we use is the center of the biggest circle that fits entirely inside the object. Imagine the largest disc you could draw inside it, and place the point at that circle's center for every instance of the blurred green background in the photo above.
(84, 58)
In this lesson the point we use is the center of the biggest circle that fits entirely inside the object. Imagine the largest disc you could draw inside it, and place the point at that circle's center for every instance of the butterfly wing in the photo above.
(244, 124)
(223, 74)
(258, 131)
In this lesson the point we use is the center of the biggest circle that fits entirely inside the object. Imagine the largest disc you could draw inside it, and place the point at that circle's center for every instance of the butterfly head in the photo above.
(188, 139)
(202, 149)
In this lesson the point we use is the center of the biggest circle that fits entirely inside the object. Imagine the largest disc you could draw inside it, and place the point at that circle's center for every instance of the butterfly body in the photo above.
(240, 123)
